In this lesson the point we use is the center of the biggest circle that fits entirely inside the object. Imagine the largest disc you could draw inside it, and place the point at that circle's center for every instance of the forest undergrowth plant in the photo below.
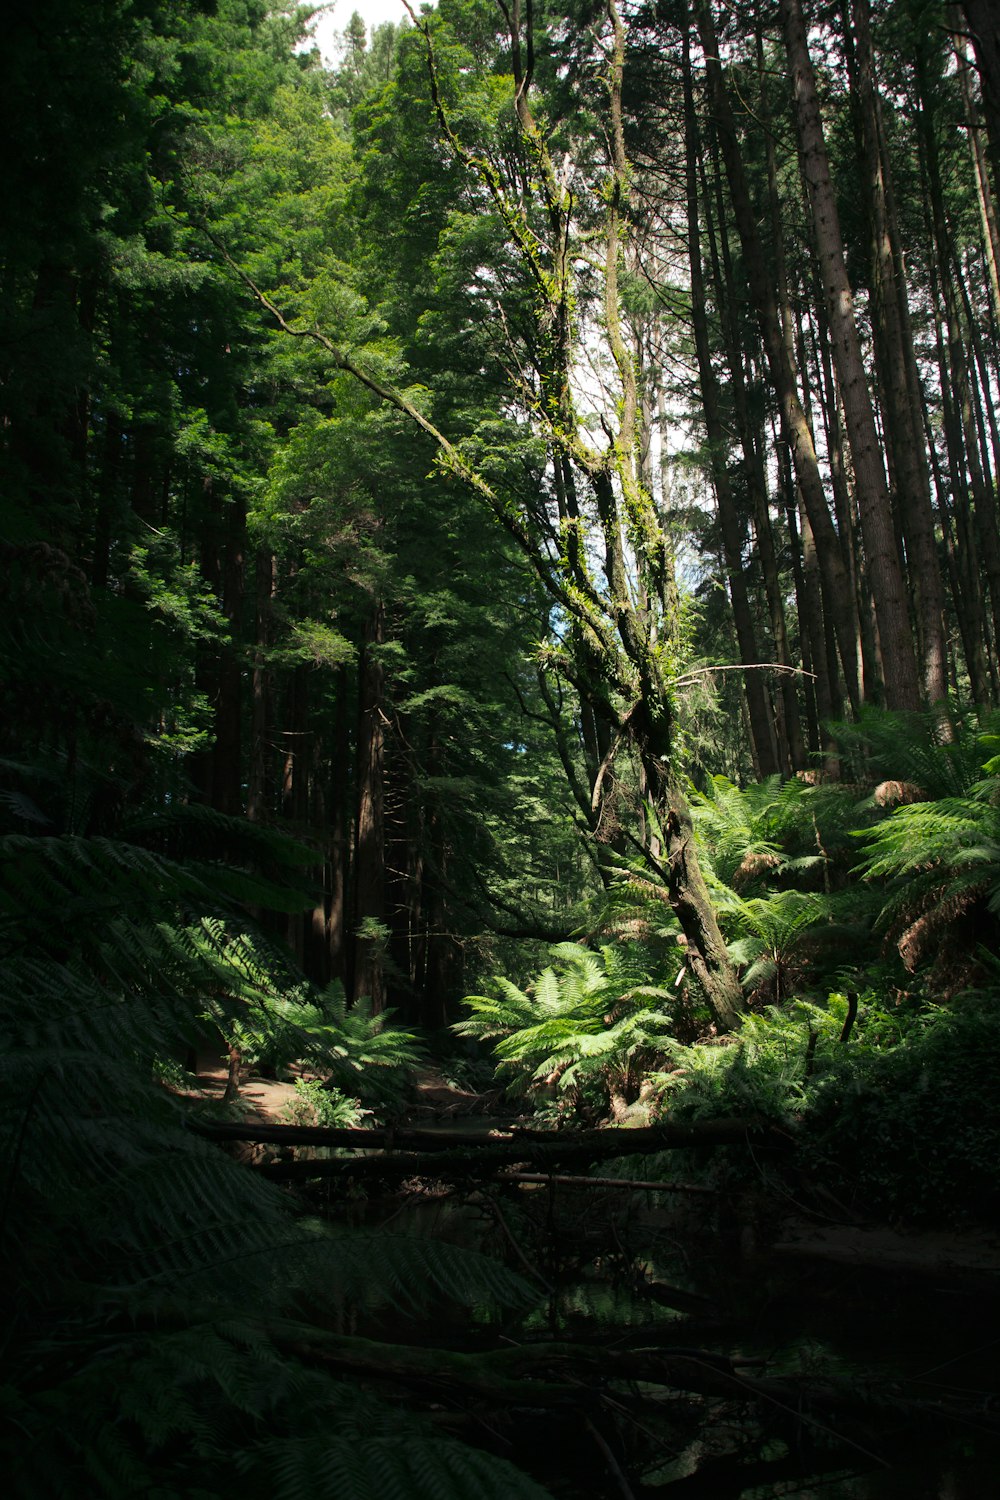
(166, 1313)
(941, 862)
(765, 1070)
(581, 1037)
(914, 757)
(776, 833)
(360, 1054)
(779, 941)
(888, 1115)
(316, 1103)
(905, 1122)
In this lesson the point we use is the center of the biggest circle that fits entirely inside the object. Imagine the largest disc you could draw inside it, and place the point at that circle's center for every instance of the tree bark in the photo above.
(758, 706)
(751, 435)
(902, 689)
(913, 487)
(836, 587)
(985, 30)
(369, 847)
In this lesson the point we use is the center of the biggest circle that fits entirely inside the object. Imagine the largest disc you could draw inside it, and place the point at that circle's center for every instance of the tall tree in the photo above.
(885, 570)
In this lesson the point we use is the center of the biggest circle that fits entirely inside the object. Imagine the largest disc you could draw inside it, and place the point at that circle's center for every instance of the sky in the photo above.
(374, 13)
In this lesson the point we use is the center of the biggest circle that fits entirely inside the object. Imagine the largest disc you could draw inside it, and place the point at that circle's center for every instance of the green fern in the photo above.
(736, 828)
(777, 937)
(934, 754)
(942, 864)
(590, 1025)
(147, 1277)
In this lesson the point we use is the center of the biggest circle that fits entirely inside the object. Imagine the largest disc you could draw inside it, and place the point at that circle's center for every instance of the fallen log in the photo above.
(563, 1179)
(493, 1160)
(615, 1141)
(395, 1154)
(550, 1373)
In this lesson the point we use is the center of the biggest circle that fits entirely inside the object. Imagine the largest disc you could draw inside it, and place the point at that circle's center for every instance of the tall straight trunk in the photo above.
(913, 488)
(965, 588)
(985, 30)
(960, 429)
(828, 703)
(797, 433)
(443, 955)
(808, 603)
(811, 380)
(259, 790)
(791, 746)
(986, 417)
(296, 782)
(369, 846)
(317, 953)
(339, 819)
(227, 776)
(218, 771)
(758, 707)
(984, 190)
(902, 688)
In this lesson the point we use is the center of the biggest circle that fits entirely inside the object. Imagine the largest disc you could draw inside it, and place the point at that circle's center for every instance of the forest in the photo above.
(500, 751)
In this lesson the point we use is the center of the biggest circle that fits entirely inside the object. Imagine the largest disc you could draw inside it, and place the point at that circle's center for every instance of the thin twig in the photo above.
(612, 1462)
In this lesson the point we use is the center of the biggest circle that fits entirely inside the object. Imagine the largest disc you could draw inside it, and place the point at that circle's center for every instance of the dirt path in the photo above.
(267, 1100)
(263, 1099)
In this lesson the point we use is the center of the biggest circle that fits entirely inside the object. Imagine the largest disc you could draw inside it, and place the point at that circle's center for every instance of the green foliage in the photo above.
(317, 1103)
(363, 1055)
(911, 1127)
(933, 754)
(143, 1315)
(773, 832)
(764, 1070)
(584, 1032)
(941, 860)
(739, 828)
(778, 939)
(902, 1120)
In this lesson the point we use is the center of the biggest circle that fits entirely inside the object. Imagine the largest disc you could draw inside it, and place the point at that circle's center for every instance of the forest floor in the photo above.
(435, 1097)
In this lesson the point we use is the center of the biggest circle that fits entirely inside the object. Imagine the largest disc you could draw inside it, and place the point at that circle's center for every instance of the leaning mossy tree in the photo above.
(582, 511)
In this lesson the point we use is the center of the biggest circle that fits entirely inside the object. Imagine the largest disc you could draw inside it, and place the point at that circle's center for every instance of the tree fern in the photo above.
(590, 1023)
(735, 827)
(934, 754)
(942, 864)
(775, 937)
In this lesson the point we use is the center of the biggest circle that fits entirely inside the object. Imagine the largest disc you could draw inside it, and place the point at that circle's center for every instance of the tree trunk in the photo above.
(259, 790)
(956, 394)
(885, 574)
(788, 720)
(913, 487)
(369, 848)
(758, 706)
(983, 25)
(836, 587)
